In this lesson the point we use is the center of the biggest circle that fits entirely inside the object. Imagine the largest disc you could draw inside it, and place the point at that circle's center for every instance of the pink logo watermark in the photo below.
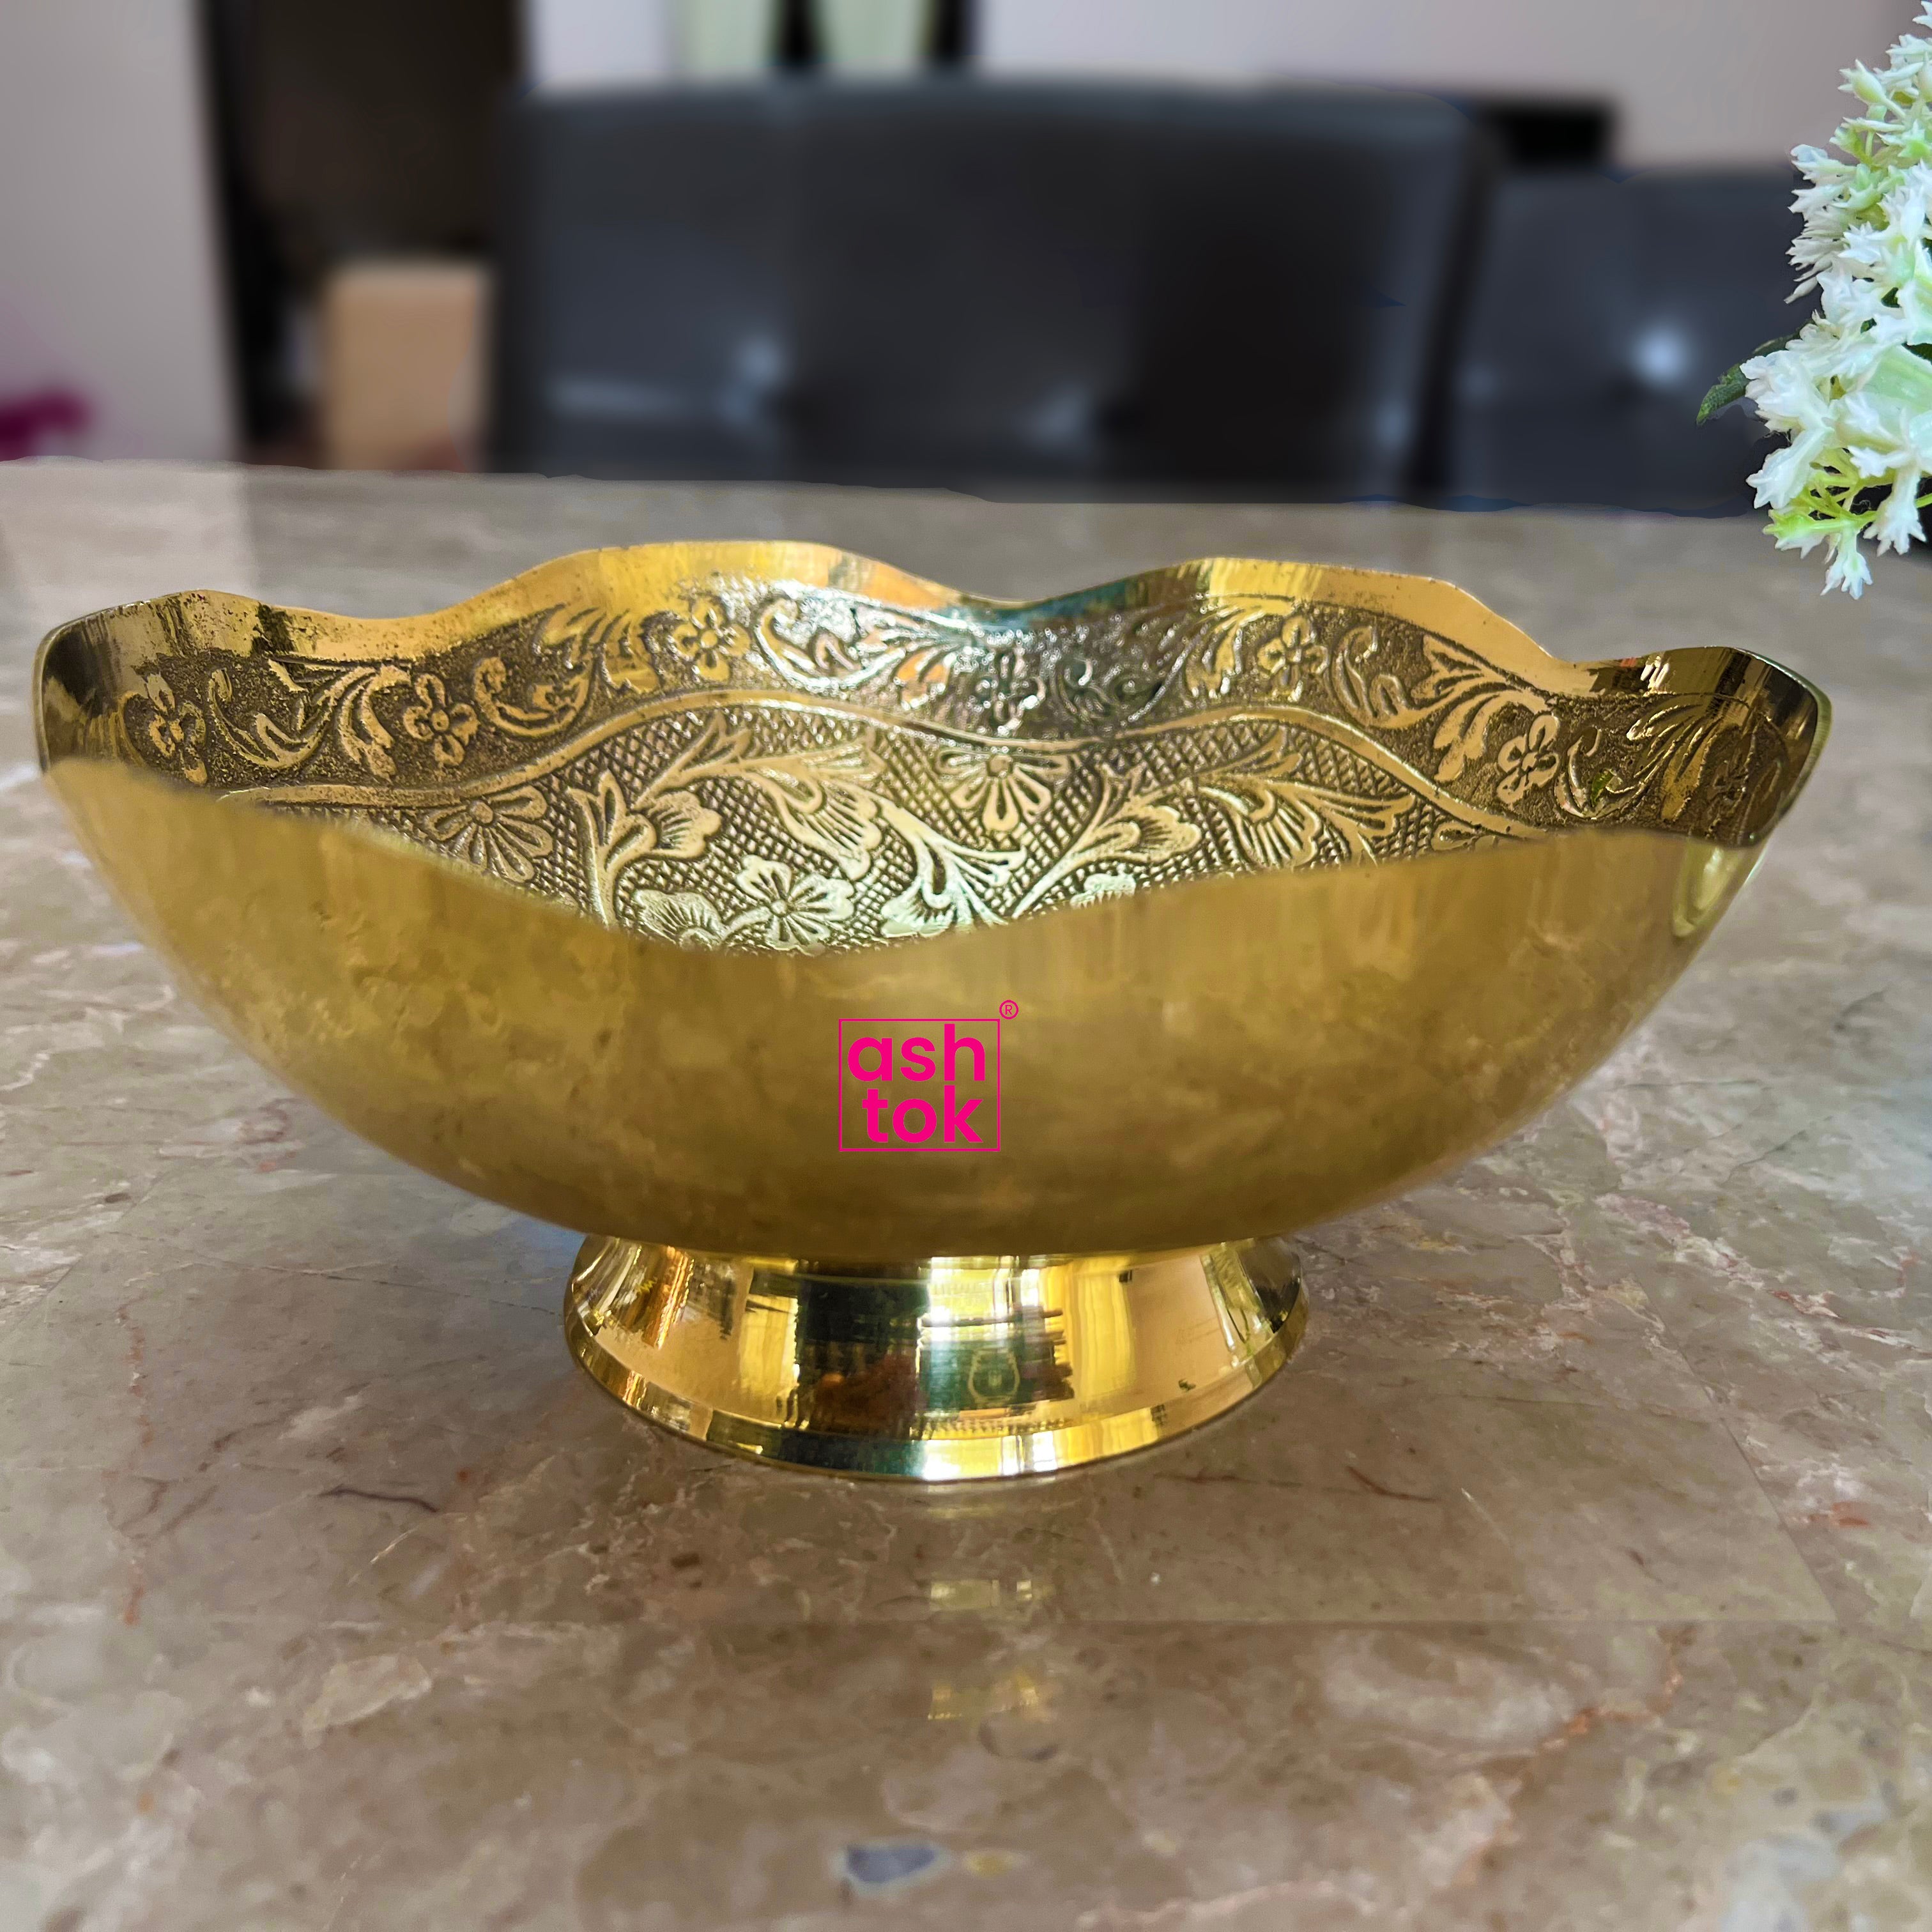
(920, 1083)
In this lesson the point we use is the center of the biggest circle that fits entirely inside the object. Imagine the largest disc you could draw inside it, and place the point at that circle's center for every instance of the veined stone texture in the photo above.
(1578, 1573)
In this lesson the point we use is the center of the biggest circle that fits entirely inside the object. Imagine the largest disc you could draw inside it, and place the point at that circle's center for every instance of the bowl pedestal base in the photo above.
(936, 1371)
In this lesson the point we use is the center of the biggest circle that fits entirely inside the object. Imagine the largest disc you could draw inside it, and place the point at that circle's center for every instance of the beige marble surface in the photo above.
(1579, 1573)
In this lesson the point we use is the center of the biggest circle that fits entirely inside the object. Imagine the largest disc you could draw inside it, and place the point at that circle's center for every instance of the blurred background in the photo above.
(1479, 253)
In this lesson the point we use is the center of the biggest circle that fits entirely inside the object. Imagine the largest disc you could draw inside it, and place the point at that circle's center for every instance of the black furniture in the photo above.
(1602, 312)
(1153, 291)
(340, 129)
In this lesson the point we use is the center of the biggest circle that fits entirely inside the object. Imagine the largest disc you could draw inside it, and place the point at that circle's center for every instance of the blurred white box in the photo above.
(404, 355)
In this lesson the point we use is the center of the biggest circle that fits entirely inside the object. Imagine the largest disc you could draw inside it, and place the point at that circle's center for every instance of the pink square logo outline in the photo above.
(934, 1143)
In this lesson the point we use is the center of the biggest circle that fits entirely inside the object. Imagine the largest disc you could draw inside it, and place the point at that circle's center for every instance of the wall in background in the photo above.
(109, 284)
(349, 129)
(1694, 80)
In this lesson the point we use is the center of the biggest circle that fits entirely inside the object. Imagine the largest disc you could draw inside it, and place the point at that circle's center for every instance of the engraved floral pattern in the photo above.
(304, 707)
(444, 727)
(176, 730)
(1098, 886)
(790, 912)
(1011, 688)
(1211, 671)
(688, 920)
(1002, 789)
(785, 767)
(551, 704)
(1530, 760)
(708, 640)
(829, 644)
(627, 663)
(1278, 817)
(659, 822)
(504, 835)
(1293, 657)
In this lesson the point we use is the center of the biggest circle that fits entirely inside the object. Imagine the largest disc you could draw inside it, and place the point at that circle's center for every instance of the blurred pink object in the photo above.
(44, 424)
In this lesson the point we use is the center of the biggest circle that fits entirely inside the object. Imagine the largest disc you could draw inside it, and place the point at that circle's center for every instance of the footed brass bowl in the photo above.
(936, 1009)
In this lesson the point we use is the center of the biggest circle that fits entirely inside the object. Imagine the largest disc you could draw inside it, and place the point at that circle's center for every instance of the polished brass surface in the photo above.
(562, 893)
(949, 1371)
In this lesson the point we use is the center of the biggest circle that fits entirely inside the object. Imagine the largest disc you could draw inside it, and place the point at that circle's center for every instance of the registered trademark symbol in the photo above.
(1009, 1010)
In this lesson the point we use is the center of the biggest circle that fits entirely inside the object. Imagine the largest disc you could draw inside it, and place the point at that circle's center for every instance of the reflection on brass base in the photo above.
(939, 1371)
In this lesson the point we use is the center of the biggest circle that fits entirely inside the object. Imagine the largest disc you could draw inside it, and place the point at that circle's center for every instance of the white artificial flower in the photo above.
(1852, 390)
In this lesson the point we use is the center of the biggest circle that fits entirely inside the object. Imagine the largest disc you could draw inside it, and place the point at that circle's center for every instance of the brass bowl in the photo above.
(1252, 890)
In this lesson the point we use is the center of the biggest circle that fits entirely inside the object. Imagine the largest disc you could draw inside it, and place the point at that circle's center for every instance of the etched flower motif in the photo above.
(708, 640)
(1293, 657)
(796, 913)
(176, 730)
(1004, 790)
(687, 919)
(665, 825)
(1212, 671)
(444, 727)
(1012, 689)
(504, 835)
(1098, 886)
(627, 660)
(1723, 786)
(1529, 761)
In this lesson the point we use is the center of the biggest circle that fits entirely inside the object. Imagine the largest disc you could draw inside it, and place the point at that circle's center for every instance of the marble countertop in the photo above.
(1578, 1573)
